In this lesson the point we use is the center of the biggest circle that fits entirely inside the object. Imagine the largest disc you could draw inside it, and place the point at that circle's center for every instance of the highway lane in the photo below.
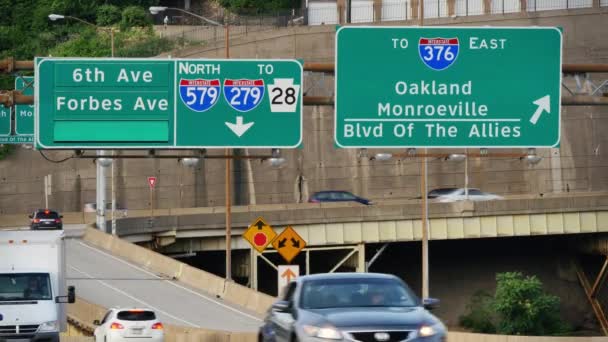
(109, 281)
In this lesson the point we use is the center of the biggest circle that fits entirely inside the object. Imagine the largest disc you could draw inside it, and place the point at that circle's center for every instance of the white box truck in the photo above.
(33, 286)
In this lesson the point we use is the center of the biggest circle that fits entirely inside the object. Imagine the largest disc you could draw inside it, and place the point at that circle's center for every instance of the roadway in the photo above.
(109, 281)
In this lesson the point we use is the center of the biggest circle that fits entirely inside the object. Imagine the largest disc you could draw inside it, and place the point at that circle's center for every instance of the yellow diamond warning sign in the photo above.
(259, 234)
(289, 244)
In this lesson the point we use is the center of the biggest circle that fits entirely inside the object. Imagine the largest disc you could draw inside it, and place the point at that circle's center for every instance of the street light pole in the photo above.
(228, 191)
(101, 174)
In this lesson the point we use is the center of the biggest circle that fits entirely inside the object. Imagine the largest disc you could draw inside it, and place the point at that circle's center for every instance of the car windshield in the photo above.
(355, 292)
(345, 196)
(47, 215)
(441, 192)
(25, 286)
(136, 315)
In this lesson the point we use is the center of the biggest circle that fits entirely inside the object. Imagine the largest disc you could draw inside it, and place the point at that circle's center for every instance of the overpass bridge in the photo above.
(331, 224)
(470, 242)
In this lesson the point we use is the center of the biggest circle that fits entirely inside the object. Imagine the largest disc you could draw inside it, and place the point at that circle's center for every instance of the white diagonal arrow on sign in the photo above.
(544, 105)
(239, 128)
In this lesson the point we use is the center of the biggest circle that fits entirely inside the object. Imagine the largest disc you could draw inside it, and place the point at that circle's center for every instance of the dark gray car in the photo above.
(363, 307)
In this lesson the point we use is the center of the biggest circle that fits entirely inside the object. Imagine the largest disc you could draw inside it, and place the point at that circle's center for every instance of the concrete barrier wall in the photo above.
(69, 338)
(469, 337)
(234, 293)
(86, 312)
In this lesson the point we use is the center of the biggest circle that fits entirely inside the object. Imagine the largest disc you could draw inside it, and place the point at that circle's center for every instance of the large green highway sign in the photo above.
(167, 103)
(448, 87)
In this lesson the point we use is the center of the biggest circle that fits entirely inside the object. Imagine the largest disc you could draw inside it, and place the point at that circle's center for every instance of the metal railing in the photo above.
(366, 11)
(243, 22)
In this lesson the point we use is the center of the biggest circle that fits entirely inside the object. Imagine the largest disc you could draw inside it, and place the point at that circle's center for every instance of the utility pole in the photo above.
(425, 206)
(101, 192)
(228, 189)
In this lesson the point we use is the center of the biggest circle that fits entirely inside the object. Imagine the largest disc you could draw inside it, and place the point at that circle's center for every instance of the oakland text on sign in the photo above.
(448, 87)
(153, 103)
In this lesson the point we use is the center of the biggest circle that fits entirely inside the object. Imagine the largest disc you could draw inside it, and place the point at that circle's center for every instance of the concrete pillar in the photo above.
(341, 7)
(451, 7)
(487, 6)
(415, 8)
(377, 10)
(361, 258)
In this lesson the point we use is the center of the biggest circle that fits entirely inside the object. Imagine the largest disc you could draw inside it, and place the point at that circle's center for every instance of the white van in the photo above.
(32, 285)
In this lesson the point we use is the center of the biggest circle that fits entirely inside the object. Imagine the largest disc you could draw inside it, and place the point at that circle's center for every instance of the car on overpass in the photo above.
(337, 196)
(459, 194)
(363, 307)
(45, 219)
(123, 325)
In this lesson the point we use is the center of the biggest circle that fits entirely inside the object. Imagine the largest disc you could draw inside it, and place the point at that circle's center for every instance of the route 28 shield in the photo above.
(199, 95)
(438, 53)
(244, 94)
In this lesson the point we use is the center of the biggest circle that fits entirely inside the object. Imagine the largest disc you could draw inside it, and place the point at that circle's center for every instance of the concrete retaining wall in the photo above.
(234, 293)
(578, 165)
(87, 312)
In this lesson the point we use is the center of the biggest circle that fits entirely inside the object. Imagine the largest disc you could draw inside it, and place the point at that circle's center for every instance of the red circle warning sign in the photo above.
(260, 239)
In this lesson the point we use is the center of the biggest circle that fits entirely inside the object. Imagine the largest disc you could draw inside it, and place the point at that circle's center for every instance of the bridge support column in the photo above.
(361, 267)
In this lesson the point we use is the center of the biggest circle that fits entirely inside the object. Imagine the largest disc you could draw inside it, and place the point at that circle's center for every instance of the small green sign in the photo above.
(5, 122)
(167, 103)
(448, 87)
(24, 114)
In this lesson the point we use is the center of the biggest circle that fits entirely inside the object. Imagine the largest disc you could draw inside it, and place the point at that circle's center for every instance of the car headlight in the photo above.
(428, 330)
(48, 326)
(325, 332)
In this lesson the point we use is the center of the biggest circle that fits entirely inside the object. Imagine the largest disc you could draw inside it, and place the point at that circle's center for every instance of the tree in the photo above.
(259, 6)
(108, 15)
(524, 308)
(519, 306)
(134, 16)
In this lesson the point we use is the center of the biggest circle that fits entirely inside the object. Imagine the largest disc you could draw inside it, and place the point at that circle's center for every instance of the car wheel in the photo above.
(294, 338)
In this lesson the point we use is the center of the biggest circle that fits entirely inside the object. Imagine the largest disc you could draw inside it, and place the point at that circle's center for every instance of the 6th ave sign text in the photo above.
(447, 87)
(161, 103)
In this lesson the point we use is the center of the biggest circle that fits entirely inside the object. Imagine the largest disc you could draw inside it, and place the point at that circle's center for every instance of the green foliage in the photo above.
(519, 307)
(480, 317)
(259, 6)
(89, 43)
(524, 308)
(108, 15)
(136, 42)
(124, 3)
(5, 150)
(141, 42)
(134, 16)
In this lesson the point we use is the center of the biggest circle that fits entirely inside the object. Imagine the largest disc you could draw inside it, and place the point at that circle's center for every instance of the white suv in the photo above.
(122, 325)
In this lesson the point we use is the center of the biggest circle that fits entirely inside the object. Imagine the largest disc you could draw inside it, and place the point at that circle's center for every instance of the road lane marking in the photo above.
(133, 298)
(171, 282)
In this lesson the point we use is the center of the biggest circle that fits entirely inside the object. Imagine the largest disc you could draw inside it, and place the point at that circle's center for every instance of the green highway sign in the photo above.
(168, 103)
(5, 124)
(24, 114)
(448, 87)
(23, 117)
